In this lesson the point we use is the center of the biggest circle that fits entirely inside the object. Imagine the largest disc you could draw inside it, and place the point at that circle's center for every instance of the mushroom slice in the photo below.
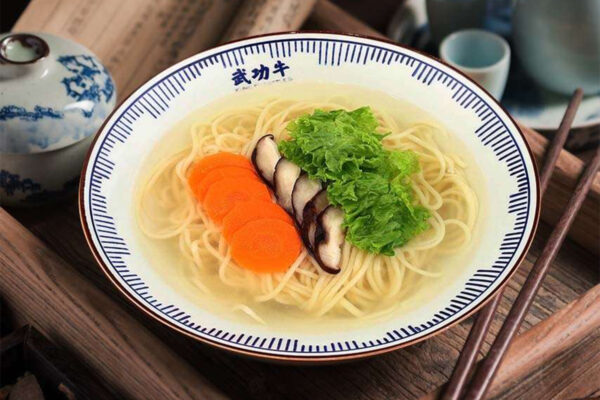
(284, 179)
(265, 156)
(304, 190)
(329, 238)
(309, 217)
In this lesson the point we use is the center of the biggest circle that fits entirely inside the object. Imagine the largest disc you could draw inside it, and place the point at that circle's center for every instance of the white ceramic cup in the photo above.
(483, 56)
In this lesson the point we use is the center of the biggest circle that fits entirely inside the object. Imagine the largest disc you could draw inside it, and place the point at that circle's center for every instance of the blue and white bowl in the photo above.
(54, 95)
(489, 134)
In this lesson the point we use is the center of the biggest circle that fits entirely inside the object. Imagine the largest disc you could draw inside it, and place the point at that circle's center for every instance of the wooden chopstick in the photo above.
(480, 328)
(559, 140)
(470, 349)
(484, 376)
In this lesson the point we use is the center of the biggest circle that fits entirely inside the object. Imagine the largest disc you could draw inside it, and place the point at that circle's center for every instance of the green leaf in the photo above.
(369, 182)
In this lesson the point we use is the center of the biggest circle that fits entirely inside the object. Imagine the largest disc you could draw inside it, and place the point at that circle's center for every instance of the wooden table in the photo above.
(557, 354)
(404, 374)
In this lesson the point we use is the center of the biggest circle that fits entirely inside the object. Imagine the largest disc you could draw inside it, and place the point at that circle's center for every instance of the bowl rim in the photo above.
(296, 359)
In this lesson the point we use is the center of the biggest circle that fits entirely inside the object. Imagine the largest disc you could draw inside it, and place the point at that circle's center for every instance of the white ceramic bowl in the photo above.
(488, 133)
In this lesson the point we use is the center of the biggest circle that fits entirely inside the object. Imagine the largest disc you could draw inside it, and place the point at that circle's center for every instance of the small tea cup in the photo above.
(483, 56)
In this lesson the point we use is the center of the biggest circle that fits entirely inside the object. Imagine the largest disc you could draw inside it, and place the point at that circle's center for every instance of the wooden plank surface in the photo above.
(554, 338)
(135, 39)
(404, 374)
(41, 288)
(585, 229)
(572, 375)
(255, 17)
(332, 17)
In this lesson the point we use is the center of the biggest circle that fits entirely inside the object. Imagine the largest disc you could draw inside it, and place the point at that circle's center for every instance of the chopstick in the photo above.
(480, 328)
(559, 139)
(484, 376)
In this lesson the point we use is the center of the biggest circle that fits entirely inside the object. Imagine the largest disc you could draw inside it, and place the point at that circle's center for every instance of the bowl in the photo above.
(54, 95)
(479, 122)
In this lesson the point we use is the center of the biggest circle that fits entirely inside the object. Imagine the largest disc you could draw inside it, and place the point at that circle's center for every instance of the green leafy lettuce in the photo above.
(370, 183)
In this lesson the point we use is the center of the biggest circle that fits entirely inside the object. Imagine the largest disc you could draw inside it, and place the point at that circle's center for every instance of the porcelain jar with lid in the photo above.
(54, 96)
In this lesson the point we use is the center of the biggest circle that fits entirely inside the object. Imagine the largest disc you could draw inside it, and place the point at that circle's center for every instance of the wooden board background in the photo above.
(135, 39)
(161, 32)
(405, 374)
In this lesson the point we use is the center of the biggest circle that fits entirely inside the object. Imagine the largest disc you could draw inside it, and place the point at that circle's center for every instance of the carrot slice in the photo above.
(203, 166)
(266, 246)
(242, 213)
(223, 159)
(224, 194)
(217, 174)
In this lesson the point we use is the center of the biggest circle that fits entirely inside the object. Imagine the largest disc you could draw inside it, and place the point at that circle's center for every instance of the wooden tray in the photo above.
(50, 279)
(59, 376)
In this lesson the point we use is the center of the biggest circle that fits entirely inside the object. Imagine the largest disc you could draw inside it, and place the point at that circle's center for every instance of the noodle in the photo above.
(166, 209)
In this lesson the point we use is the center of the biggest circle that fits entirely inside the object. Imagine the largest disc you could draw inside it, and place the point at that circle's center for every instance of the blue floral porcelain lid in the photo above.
(53, 93)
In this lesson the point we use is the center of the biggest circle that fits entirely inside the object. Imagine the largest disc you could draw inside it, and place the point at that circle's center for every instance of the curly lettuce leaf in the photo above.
(379, 215)
(335, 144)
(369, 182)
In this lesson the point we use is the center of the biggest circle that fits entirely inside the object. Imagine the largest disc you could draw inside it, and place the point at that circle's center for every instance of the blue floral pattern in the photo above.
(84, 95)
(90, 81)
(12, 183)
(10, 112)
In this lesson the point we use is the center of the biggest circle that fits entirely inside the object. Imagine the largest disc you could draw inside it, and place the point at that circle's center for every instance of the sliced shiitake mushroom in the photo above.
(329, 238)
(309, 217)
(304, 190)
(265, 157)
(284, 178)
